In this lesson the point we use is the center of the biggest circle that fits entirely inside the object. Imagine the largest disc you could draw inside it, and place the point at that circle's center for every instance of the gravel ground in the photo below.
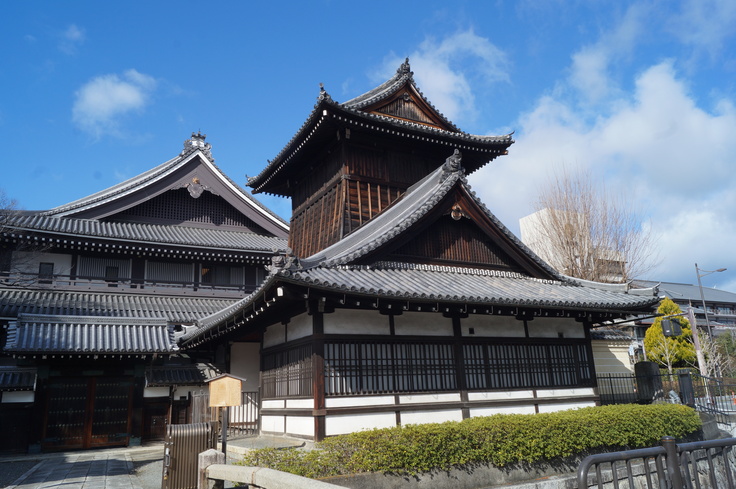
(148, 466)
(10, 471)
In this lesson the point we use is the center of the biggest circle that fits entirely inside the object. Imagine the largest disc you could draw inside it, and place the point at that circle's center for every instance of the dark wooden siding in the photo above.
(405, 108)
(177, 206)
(317, 226)
(454, 242)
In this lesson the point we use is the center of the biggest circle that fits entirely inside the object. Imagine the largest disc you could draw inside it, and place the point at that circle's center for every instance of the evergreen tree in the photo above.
(673, 351)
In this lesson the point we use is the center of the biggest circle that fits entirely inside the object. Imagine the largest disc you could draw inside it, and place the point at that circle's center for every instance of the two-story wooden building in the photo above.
(402, 298)
(94, 294)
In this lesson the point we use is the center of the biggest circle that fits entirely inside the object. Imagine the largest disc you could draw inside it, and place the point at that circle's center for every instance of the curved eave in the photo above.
(329, 111)
(63, 230)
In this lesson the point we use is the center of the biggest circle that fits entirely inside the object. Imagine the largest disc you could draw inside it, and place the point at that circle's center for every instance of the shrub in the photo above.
(499, 440)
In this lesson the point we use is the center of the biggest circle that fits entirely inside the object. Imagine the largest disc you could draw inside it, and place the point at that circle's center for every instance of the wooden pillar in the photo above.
(460, 364)
(318, 374)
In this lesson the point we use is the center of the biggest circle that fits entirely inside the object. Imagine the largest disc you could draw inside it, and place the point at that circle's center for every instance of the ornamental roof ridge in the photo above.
(196, 142)
(389, 87)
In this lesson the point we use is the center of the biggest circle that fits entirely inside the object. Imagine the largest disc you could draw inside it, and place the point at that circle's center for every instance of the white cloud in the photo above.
(100, 104)
(71, 39)
(705, 25)
(444, 69)
(668, 155)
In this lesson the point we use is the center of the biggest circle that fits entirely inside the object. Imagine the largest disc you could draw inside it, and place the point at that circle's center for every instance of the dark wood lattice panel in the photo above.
(375, 367)
(405, 108)
(318, 226)
(287, 373)
(450, 241)
(178, 206)
(517, 366)
(384, 367)
(364, 200)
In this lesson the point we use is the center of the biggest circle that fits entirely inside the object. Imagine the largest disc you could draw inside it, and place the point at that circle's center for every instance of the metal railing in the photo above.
(184, 443)
(703, 465)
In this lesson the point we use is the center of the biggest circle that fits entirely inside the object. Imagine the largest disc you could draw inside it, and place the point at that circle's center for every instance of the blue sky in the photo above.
(642, 94)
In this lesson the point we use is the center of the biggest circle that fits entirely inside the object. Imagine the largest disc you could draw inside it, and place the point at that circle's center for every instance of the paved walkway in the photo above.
(86, 470)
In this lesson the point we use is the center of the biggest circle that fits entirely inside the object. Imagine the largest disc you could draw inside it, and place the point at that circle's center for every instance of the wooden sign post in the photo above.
(225, 391)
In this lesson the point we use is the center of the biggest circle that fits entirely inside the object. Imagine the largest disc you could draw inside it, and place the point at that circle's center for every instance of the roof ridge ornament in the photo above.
(323, 95)
(196, 142)
(405, 68)
(284, 264)
(453, 163)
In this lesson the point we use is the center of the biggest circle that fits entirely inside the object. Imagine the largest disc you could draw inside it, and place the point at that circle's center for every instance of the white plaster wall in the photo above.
(273, 424)
(423, 324)
(350, 423)
(273, 404)
(428, 398)
(543, 327)
(274, 335)
(333, 402)
(583, 391)
(299, 327)
(551, 408)
(17, 396)
(439, 416)
(185, 390)
(612, 357)
(500, 395)
(489, 325)
(490, 411)
(156, 392)
(300, 425)
(345, 321)
(245, 362)
(299, 403)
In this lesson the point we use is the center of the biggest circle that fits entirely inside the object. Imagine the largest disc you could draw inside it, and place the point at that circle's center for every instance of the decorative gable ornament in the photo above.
(197, 143)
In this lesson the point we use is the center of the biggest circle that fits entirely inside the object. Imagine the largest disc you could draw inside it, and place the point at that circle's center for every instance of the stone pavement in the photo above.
(100, 469)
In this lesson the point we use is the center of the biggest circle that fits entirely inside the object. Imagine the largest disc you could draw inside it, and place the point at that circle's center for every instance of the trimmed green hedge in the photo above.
(499, 440)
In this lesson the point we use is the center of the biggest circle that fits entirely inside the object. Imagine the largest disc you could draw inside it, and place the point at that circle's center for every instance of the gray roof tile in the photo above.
(18, 378)
(145, 233)
(167, 375)
(174, 309)
(89, 335)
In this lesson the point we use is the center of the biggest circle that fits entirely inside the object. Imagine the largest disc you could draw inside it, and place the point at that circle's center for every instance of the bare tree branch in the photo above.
(585, 232)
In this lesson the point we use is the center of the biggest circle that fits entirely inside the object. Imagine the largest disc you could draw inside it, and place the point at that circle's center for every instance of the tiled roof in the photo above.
(79, 335)
(175, 309)
(145, 233)
(194, 147)
(18, 378)
(197, 374)
(684, 292)
(610, 334)
(326, 108)
(389, 87)
(467, 286)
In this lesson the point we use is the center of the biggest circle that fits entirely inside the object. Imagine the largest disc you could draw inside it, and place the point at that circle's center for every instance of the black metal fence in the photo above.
(706, 394)
(705, 464)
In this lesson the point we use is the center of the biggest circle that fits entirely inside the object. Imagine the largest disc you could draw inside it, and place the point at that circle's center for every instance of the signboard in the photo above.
(226, 390)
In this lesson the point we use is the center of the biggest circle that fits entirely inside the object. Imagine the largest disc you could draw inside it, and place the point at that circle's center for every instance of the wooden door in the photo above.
(86, 412)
